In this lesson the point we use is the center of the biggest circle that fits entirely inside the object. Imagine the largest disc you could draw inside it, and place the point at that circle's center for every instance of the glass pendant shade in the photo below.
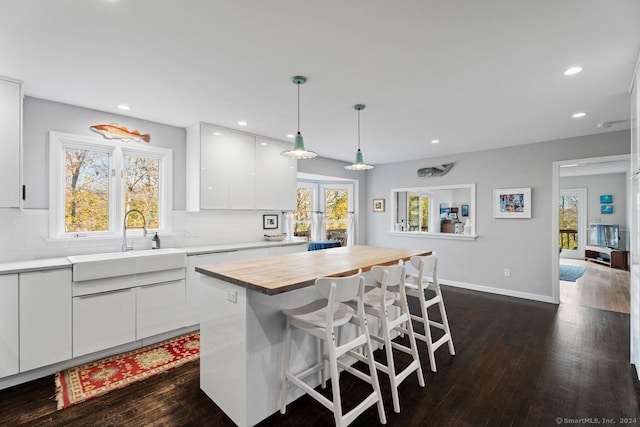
(298, 151)
(359, 164)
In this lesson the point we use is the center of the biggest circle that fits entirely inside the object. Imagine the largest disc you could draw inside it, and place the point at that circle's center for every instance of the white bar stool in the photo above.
(416, 285)
(320, 318)
(377, 301)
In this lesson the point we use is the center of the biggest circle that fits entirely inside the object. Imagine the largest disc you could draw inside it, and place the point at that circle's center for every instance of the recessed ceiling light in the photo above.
(242, 123)
(435, 141)
(124, 107)
(290, 135)
(572, 165)
(579, 115)
(217, 133)
(263, 143)
(573, 70)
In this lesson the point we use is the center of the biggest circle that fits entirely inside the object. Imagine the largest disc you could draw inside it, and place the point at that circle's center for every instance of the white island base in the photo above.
(241, 348)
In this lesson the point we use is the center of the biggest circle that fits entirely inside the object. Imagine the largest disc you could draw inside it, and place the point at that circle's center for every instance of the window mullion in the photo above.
(116, 209)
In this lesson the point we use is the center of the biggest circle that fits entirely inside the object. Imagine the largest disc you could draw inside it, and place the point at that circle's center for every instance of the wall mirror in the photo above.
(446, 210)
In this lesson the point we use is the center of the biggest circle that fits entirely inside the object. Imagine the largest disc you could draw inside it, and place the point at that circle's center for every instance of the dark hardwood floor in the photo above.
(518, 363)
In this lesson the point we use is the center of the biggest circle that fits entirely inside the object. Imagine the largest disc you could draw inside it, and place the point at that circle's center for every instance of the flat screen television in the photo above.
(604, 235)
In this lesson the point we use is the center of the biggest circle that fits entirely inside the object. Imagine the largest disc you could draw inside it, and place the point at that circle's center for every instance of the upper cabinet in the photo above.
(10, 141)
(235, 170)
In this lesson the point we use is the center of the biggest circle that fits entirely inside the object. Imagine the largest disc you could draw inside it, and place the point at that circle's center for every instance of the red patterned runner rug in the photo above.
(94, 379)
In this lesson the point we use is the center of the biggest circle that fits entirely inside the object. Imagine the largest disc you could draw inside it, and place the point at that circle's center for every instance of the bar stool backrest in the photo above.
(344, 288)
(389, 276)
(427, 266)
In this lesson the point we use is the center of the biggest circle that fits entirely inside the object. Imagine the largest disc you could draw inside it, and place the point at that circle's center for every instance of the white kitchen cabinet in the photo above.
(214, 167)
(9, 325)
(289, 249)
(193, 280)
(160, 308)
(10, 141)
(234, 170)
(45, 318)
(276, 176)
(103, 320)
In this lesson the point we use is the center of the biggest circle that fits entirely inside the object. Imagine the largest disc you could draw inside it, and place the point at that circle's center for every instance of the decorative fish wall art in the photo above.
(115, 131)
(435, 171)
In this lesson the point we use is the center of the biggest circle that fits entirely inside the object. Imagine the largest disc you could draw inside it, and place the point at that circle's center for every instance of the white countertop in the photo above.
(64, 262)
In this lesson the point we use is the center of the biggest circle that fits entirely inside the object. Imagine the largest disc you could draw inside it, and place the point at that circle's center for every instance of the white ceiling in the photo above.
(473, 74)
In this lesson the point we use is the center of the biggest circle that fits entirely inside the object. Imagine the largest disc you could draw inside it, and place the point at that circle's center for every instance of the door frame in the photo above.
(582, 221)
(555, 215)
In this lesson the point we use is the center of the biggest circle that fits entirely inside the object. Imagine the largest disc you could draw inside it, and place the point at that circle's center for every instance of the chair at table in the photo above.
(322, 318)
(377, 302)
(417, 285)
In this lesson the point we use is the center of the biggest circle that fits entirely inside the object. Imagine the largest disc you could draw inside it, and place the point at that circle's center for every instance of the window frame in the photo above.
(333, 186)
(58, 144)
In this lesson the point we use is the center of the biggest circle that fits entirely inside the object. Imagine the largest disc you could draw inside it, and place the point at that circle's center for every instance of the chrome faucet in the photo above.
(125, 247)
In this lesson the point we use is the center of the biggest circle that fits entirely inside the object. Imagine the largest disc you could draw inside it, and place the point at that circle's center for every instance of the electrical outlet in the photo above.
(507, 272)
(232, 296)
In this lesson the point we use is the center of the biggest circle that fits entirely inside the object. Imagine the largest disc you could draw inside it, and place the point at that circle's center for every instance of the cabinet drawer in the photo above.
(104, 320)
(160, 308)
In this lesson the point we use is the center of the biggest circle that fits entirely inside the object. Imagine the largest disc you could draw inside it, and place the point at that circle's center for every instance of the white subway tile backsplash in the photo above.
(24, 233)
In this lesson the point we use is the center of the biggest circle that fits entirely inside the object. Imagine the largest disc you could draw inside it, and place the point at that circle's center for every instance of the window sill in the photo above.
(447, 236)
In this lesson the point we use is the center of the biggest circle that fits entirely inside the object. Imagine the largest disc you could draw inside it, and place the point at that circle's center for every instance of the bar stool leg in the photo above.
(412, 341)
(386, 336)
(285, 367)
(427, 333)
(372, 369)
(335, 379)
(445, 323)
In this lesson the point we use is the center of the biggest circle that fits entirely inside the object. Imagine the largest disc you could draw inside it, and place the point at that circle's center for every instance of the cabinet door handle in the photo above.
(151, 285)
(97, 294)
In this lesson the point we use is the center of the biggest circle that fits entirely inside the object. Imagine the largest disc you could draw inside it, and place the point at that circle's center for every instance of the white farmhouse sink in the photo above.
(114, 264)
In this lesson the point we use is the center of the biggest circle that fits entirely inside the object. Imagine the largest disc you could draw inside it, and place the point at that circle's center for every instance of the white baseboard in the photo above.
(34, 374)
(499, 291)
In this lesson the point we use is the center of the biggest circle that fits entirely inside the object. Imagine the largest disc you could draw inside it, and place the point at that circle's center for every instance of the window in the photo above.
(94, 182)
(305, 205)
(336, 203)
(418, 212)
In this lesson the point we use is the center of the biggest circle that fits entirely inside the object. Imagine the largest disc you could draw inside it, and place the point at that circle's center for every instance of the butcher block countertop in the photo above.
(277, 274)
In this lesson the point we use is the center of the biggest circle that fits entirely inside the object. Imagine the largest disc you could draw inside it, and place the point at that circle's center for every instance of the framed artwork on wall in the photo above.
(269, 221)
(512, 202)
(464, 210)
(378, 205)
(606, 209)
(606, 199)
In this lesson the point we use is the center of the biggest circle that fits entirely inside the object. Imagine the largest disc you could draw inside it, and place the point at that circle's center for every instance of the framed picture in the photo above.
(512, 202)
(465, 210)
(453, 215)
(378, 205)
(444, 210)
(269, 221)
(606, 209)
(606, 198)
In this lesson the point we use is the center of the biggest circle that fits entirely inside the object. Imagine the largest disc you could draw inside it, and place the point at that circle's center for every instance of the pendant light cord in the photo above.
(358, 130)
(298, 107)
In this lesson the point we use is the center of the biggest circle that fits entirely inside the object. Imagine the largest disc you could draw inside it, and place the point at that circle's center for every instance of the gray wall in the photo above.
(42, 116)
(523, 245)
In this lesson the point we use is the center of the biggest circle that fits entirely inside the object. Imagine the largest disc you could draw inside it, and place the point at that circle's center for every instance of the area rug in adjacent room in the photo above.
(94, 379)
(571, 272)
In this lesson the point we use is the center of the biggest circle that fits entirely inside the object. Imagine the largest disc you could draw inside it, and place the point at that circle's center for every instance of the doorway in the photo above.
(572, 217)
(600, 285)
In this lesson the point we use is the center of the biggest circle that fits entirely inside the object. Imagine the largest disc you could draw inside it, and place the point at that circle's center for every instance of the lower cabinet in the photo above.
(160, 308)
(103, 320)
(9, 325)
(45, 318)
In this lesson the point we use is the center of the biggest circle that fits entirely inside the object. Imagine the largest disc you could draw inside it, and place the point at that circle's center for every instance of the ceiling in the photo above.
(473, 74)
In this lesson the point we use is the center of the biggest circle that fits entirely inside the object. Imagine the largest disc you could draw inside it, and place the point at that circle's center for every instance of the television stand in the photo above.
(614, 258)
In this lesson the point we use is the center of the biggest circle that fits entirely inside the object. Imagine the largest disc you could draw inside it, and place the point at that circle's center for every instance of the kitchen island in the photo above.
(242, 326)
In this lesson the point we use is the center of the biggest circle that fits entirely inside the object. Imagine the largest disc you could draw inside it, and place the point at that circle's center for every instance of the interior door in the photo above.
(573, 222)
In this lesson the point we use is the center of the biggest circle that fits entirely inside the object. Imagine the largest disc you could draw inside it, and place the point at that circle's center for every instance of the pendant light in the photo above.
(359, 164)
(298, 151)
